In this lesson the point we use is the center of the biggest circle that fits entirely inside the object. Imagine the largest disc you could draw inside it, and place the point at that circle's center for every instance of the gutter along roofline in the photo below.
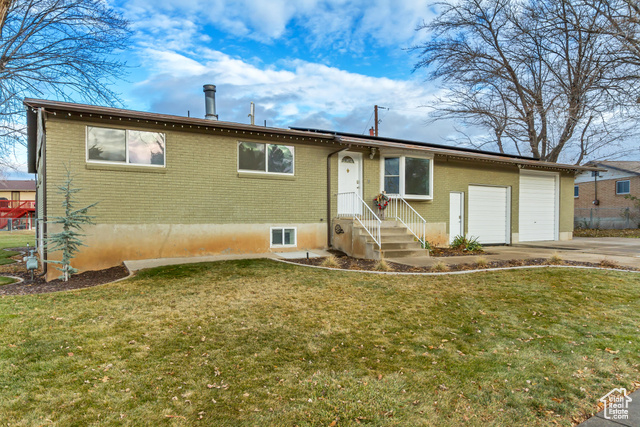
(301, 134)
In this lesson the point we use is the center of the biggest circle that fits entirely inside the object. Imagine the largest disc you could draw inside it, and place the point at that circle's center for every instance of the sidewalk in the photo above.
(579, 251)
(598, 420)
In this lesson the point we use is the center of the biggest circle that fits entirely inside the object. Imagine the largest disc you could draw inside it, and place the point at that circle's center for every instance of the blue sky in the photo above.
(311, 63)
(307, 63)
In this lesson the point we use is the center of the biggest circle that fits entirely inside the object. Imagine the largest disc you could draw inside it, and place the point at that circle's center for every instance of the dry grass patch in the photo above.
(556, 259)
(440, 267)
(608, 263)
(331, 262)
(382, 265)
(481, 262)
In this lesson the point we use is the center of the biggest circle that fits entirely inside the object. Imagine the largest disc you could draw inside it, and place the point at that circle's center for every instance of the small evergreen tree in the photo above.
(69, 239)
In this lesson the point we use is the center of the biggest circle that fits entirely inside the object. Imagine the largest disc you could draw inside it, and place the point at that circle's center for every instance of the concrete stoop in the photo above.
(397, 242)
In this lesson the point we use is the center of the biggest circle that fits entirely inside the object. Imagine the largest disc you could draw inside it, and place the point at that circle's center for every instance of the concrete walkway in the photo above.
(135, 265)
(624, 251)
(598, 420)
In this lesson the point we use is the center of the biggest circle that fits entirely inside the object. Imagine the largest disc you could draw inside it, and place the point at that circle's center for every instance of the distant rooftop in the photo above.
(626, 166)
(17, 185)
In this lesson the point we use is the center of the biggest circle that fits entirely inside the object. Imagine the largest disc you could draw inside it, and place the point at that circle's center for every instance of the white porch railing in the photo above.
(402, 211)
(351, 205)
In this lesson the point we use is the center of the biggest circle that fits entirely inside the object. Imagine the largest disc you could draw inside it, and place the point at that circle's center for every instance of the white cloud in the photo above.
(337, 24)
(291, 93)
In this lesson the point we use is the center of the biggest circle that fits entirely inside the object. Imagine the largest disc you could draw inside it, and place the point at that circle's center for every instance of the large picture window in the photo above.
(408, 177)
(133, 147)
(267, 158)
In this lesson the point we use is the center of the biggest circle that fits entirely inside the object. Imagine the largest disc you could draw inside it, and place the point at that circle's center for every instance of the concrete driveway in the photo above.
(624, 251)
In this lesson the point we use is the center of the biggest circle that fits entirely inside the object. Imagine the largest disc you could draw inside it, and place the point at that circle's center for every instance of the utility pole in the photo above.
(375, 113)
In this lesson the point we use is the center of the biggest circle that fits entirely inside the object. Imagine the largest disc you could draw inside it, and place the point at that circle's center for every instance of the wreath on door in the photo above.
(381, 201)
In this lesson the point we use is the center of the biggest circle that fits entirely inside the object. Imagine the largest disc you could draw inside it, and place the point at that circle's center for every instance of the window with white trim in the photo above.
(623, 187)
(282, 237)
(576, 191)
(120, 146)
(407, 176)
(266, 158)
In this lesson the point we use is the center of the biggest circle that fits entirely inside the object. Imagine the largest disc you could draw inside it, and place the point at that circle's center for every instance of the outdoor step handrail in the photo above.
(351, 205)
(402, 211)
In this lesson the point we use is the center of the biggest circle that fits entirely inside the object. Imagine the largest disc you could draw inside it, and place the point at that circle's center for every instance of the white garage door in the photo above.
(489, 214)
(538, 207)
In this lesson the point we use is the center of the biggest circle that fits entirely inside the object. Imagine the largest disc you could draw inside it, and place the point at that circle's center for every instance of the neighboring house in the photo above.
(170, 186)
(600, 200)
(17, 204)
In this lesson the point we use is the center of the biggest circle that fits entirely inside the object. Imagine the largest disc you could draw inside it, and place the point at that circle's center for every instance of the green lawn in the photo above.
(258, 342)
(15, 239)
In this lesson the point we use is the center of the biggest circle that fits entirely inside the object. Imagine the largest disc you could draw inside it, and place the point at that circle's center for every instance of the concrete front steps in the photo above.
(397, 241)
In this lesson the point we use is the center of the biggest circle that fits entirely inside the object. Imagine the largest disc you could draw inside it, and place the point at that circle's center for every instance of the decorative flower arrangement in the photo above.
(381, 201)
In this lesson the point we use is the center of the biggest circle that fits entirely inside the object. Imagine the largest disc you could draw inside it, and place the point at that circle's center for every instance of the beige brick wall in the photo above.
(200, 184)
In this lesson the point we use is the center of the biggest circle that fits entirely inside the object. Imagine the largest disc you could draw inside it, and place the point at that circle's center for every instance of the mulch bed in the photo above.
(40, 286)
(439, 252)
(348, 263)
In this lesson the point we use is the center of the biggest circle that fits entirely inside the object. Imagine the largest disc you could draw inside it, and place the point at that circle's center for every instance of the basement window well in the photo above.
(283, 237)
(121, 146)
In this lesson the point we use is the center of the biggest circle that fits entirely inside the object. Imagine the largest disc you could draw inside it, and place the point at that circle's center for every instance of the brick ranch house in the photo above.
(171, 186)
(600, 200)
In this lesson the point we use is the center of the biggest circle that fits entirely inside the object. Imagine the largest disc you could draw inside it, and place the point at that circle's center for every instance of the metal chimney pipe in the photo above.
(210, 102)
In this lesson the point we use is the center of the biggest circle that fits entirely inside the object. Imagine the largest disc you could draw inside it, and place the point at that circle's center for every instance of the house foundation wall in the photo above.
(108, 245)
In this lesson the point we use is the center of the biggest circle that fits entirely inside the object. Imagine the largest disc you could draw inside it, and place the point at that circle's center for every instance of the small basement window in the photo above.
(282, 237)
(132, 147)
(576, 191)
(623, 187)
(266, 158)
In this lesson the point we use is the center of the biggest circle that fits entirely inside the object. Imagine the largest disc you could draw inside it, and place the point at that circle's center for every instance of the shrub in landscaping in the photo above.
(330, 261)
(555, 259)
(470, 244)
(382, 266)
(481, 262)
(440, 266)
(608, 263)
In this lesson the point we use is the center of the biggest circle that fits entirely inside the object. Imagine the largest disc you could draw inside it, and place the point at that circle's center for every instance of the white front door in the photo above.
(456, 215)
(349, 178)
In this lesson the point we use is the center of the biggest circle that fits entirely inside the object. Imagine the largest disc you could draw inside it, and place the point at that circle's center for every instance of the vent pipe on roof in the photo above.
(210, 102)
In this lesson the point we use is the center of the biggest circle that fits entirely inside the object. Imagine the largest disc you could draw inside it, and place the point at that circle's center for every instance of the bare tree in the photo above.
(538, 74)
(55, 48)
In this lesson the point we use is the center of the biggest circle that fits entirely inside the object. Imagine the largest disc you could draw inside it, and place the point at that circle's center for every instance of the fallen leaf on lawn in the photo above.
(557, 399)
(105, 379)
(608, 350)
(175, 416)
(69, 354)
(379, 376)
(333, 423)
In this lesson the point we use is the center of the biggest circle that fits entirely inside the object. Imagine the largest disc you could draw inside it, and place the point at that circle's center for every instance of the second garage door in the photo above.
(538, 207)
(489, 214)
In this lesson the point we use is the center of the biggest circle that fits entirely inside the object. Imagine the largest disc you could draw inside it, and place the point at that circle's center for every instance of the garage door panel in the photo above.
(488, 214)
(537, 207)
